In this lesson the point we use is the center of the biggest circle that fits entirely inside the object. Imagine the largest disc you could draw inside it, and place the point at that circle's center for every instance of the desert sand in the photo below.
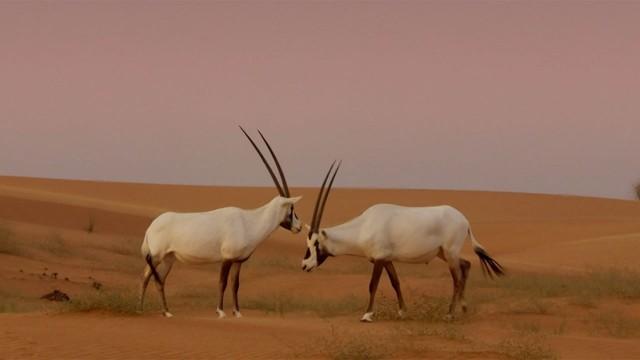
(572, 289)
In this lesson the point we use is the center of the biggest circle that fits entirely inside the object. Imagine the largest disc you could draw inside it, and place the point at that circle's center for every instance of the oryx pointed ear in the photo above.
(294, 200)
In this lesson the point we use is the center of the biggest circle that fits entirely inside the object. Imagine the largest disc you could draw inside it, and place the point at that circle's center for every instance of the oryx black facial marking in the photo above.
(320, 252)
(281, 185)
(170, 236)
(384, 233)
(287, 223)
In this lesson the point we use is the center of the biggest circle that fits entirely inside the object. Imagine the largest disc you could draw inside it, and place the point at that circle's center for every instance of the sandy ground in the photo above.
(89, 233)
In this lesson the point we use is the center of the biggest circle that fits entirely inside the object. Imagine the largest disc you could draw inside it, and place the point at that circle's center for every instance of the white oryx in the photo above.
(228, 235)
(385, 233)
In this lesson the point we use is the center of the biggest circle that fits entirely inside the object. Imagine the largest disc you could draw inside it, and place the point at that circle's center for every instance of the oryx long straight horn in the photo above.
(266, 163)
(384, 233)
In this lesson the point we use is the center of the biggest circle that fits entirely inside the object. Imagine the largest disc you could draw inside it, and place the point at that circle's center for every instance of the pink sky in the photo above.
(535, 97)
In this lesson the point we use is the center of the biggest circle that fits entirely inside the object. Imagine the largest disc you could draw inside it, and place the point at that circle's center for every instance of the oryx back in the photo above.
(198, 237)
(412, 234)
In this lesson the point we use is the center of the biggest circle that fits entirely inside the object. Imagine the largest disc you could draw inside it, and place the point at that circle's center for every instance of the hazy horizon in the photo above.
(536, 97)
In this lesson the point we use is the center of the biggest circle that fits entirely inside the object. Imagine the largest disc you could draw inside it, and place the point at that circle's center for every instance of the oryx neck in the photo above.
(268, 217)
(342, 239)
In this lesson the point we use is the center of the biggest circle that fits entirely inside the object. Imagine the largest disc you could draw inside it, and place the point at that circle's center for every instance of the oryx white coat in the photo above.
(228, 235)
(384, 233)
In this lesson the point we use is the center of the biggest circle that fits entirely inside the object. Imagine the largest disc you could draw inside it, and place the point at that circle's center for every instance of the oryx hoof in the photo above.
(237, 313)
(367, 317)
(167, 314)
(221, 314)
(401, 314)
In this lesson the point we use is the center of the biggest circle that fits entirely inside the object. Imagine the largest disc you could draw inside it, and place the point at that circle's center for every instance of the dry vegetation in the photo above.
(526, 346)
(615, 324)
(341, 345)
(9, 303)
(596, 283)
(122, 302)
(282, 304)
(535, 313)
(8, 245)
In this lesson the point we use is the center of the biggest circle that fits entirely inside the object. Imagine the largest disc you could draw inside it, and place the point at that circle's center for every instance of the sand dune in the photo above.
(90, 232)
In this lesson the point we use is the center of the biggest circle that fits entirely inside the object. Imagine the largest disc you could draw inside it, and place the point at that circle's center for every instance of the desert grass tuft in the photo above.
(561, 329)
(54, 244)
(8, 244)
(274, 262)
(118, 302)
(11, 302)
(618, 283)
(585, 301)
(282, 304)
(527, 327)
(91, 225)
(529, 306)
(17, 305)
(450, 332)
(421, 308)
(522, 346)
(8, 305)
(586, 288)
(126, 247)
(344, 346)
(616, 324)
(534, 285)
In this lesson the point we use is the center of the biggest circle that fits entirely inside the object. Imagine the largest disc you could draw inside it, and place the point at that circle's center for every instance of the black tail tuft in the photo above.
(153, 269)
(490, 267)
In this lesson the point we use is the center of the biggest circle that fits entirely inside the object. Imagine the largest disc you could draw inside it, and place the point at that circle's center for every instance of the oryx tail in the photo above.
(147, 257)
(490, 266)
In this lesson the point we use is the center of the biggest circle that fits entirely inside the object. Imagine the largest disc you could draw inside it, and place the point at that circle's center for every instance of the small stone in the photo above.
(56, 295)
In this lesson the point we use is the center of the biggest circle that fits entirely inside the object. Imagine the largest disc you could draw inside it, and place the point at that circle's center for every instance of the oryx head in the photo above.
(316, 252)
(290, 220)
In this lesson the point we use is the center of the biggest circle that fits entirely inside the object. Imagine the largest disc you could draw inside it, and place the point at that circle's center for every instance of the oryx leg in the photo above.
(455, 269)
(373, 287)
(224, 275)
(236, 287)
(465, 265)
(456, 276)
(163, 271)
(395, 282)
(146, 276)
